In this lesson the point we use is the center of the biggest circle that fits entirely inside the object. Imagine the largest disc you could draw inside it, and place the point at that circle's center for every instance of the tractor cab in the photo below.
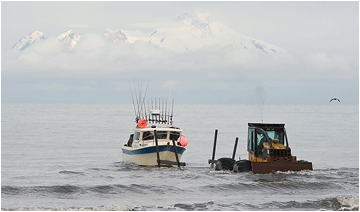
(267, 140)
(269, 149)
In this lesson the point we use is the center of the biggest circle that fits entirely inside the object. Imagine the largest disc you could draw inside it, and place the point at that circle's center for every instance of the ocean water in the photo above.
(68, 157)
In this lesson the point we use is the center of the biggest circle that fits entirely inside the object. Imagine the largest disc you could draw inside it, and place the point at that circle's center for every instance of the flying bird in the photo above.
(334, 99)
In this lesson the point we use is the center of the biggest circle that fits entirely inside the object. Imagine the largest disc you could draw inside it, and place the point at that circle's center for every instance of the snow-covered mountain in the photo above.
(28, 40)
(199, 28)
(113, 36)
(195, 29)
(190, 31)
(70, 38)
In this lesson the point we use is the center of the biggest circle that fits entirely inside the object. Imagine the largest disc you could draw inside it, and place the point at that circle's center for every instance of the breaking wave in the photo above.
(337, 204)
(124, 187)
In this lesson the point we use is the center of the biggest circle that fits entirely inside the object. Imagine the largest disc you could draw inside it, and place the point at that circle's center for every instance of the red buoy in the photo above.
(142, 123)
(183, 141)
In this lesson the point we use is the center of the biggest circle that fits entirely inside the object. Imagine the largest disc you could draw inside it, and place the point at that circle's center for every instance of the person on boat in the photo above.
(131, 140)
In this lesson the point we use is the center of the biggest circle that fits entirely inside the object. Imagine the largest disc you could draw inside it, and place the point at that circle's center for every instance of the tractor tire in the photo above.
(242, 166)
(224, 164)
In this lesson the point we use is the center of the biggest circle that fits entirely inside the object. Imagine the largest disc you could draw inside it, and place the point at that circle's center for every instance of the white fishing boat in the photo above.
(155, 141)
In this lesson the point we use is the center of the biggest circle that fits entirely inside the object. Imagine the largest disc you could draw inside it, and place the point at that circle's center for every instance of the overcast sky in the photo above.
(321, 39)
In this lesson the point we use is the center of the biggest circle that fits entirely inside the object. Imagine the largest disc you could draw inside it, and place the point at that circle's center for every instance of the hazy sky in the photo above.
(322, 40)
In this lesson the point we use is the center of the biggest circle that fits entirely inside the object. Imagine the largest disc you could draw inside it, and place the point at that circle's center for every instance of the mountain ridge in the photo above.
(193, 30)
(29, 40)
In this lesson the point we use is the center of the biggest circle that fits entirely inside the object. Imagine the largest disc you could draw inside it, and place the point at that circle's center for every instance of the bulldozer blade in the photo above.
(279, 165)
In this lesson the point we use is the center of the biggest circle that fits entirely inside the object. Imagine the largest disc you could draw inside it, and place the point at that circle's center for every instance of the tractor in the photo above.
(269, 152)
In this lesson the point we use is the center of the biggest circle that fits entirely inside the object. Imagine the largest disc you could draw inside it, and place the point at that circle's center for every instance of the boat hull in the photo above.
(147, 156)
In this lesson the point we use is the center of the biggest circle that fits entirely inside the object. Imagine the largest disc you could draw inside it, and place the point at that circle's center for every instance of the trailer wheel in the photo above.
(242, 166)
(224, 164)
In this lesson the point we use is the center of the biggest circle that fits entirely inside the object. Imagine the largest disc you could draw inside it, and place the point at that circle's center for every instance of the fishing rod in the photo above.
(169, 108)
(140, 98)
(152, 108)
(132, 99)
(165, 110)
(162, 111)
(137, 101)
(148, 110)
(143, 101)
(156, 121)
(159, 111)
(172, 113)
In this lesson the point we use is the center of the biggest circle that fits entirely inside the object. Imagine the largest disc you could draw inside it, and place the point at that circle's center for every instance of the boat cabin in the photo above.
(147, 135)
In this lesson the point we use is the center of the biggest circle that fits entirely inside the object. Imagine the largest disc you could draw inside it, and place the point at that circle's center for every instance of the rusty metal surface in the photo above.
(279, 165)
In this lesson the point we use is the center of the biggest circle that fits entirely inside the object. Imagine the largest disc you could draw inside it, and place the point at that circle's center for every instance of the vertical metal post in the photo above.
(214, 148)
(157, 148)
(176, 155)
(234, 152)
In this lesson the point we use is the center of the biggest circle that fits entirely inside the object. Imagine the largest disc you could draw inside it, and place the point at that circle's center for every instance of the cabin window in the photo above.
(148, 135)
(137, 136)
(161, 134)
(260, 140)
(276, 134)
(174, 135)
(250, 140)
